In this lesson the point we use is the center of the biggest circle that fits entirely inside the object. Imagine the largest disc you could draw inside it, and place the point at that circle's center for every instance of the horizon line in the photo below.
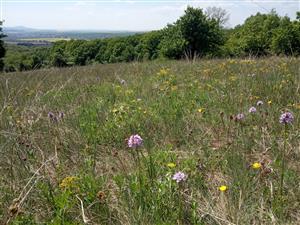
(148, 1)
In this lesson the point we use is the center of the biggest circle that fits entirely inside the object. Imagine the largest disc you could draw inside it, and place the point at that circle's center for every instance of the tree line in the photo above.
(197, 33)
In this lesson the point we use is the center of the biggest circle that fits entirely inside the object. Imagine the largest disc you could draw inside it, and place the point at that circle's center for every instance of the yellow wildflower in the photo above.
(201, 110)
(256, 165)
(129, 92)
(297, 106)
(171, 165)
(223, 188)
(163, 72)
(174, 88)
(270, 102)
(67, 182)
(233, 78)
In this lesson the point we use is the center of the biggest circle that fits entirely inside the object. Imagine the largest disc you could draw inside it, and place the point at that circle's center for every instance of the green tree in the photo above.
(2, 49)
(202, 34)
(255, 35)
(148, 46)
(193, 34)
(58, 58)
(39, 57)
(264, 34)
(100, 55)
(286, 38)
(173, 43)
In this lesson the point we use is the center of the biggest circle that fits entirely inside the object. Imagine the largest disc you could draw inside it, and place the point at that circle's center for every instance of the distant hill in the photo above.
(29, 36)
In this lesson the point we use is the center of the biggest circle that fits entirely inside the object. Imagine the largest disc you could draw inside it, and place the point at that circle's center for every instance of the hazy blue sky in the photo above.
(125, 15)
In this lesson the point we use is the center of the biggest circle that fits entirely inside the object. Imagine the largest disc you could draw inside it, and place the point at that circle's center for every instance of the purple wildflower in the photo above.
(51, 115)
(240, 116)
(61, 115)
(259, 103)
(252, 110)
(179, 176)
(286, 118)
(135, 141)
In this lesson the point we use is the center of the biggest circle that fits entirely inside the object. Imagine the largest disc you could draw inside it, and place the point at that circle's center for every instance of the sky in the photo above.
(130, 15)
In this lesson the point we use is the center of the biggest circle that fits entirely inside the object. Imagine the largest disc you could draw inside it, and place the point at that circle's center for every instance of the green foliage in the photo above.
(194, 34)
(58, 57)
(201, 33)
(172, 45)
(265, 34)
(121, 49)
(20, 58)
(286, 39)
(148, 47)
(2, 49)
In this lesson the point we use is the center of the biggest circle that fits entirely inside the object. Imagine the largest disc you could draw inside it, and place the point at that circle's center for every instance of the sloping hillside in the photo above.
(212, 148)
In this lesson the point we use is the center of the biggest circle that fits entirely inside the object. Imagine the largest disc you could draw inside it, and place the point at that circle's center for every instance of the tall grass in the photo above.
(78, 169)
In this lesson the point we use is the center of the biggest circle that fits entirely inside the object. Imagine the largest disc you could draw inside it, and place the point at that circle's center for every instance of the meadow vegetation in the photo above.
(213, 151)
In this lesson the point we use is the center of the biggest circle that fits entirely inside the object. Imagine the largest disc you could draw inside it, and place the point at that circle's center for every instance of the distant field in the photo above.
(28, 34)
(44, 39)
(34, 37)
(64, 144)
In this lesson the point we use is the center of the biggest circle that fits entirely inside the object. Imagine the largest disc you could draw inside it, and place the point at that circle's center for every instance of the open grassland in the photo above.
(45, 39)
(73, 165)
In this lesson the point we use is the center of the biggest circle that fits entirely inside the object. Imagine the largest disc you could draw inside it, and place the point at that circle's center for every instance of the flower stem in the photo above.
(141, 192)
(283, 160)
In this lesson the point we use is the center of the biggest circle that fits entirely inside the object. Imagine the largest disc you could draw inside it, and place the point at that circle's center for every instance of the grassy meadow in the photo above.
(65, 157)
